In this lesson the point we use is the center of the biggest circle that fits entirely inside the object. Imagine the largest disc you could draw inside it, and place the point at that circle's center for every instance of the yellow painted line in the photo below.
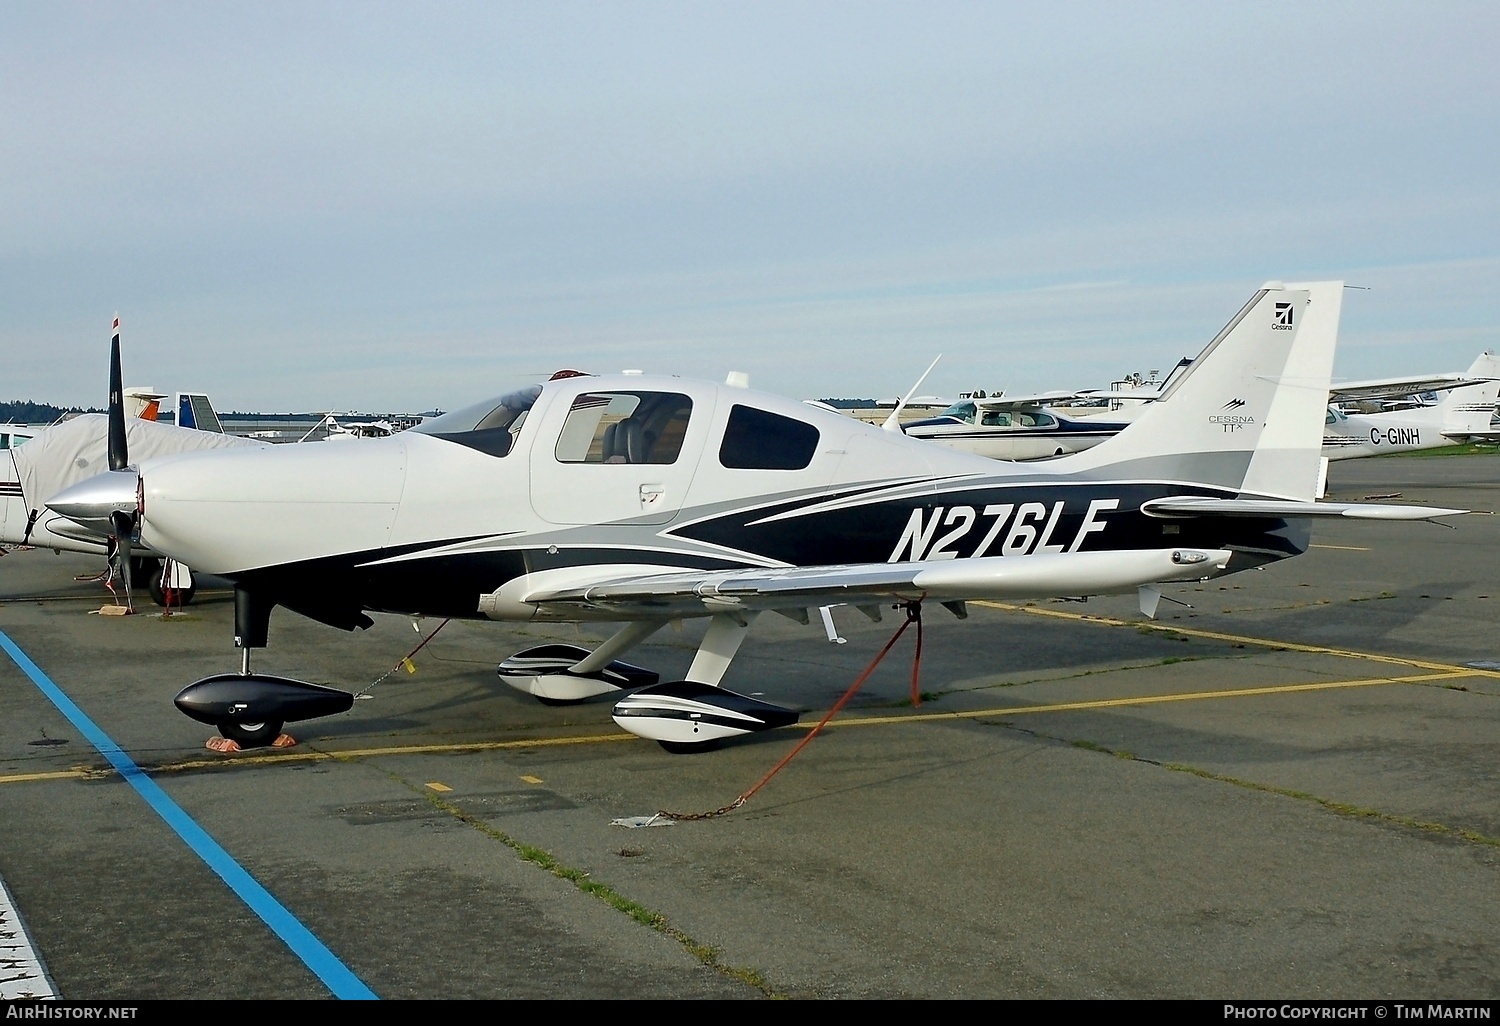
(439, 788)
(1109, 703)
(366, 753)
(1342, 548)
(85, 773)
(1292, 646)
(1441, 671)
(78, 773)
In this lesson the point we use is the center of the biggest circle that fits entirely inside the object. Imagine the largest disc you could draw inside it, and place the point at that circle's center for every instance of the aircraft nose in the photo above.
(91, 504)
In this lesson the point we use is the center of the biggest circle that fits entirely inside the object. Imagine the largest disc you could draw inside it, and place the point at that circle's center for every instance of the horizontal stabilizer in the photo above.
(1193, 506)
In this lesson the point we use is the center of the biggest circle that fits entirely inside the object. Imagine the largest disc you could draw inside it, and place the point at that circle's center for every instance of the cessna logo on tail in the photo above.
(1283, 317)
(1232, 422)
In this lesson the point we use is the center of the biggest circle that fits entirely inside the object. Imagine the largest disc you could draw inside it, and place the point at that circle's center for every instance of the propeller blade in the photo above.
(124, 525)
(119, 456)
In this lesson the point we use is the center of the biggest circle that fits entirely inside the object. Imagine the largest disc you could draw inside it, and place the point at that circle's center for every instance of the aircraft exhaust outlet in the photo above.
(230, 698)
(685, 715)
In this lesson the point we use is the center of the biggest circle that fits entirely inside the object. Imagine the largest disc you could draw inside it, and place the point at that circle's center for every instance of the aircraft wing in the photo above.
(1197, 506)
(1060, 397)
(1061, 574)
(1398, 388)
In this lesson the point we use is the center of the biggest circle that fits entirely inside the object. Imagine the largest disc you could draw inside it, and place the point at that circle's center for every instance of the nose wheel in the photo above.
(251, 735)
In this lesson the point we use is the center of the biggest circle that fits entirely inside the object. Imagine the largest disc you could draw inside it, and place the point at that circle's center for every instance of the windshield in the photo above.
(960, 411)
(490, 426)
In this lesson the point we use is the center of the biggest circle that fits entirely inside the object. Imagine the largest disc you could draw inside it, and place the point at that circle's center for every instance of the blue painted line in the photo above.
(314, 954)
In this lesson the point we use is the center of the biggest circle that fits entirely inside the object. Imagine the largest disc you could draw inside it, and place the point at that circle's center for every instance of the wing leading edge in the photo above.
(998, 577)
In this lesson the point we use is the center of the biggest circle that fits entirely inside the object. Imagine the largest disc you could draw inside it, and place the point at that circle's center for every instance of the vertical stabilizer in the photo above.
(1469, 410)
(1248, 413)
(1288, 458)
(195, 411)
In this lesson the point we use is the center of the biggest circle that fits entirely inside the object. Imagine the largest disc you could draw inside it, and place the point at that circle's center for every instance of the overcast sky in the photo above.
(395, 207)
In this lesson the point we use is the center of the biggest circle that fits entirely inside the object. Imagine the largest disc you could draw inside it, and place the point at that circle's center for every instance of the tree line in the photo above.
(21, 411)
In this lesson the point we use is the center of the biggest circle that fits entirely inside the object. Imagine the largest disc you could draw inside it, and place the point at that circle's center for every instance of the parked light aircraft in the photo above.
(54, 458)
(1034, 427)
(1039, 426)
(1019, 428)
(643, 500)
(1031, 427)
(1462, 414)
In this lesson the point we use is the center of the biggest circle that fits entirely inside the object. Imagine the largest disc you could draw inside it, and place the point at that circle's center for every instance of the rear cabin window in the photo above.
(625, 427)
(758, 440)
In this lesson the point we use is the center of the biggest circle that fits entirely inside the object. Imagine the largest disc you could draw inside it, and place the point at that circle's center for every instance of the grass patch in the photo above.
(1341, 808)
(542, 859)
(1468, 449)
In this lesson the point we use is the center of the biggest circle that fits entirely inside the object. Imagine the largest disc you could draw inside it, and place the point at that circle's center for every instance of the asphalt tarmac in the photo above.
(1289, 789)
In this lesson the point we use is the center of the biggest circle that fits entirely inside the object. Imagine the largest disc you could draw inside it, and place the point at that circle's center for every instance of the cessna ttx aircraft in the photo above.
(642, 500)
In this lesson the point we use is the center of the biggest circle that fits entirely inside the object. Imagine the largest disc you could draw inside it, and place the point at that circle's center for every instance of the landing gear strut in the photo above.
(250, 709)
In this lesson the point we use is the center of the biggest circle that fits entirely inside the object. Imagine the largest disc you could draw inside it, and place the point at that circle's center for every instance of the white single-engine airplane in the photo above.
(642, 500)
(1462, 414)
(1020, 428)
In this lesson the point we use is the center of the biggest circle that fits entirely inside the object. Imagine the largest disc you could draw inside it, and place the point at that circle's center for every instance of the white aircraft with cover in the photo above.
(641, 500)
(57, 457)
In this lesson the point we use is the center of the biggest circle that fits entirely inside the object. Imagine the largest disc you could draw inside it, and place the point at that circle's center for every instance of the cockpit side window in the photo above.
(624, 427)
(490, 426)
(760, 440)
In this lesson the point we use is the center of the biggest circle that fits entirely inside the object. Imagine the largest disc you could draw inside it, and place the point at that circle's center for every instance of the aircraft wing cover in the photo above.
(76, 450)
(1033, 576)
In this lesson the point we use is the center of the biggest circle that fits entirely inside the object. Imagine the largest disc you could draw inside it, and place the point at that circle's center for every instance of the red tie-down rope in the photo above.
(913, 616)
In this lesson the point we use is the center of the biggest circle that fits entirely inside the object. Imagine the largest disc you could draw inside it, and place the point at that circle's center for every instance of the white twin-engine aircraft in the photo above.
(642, 500)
